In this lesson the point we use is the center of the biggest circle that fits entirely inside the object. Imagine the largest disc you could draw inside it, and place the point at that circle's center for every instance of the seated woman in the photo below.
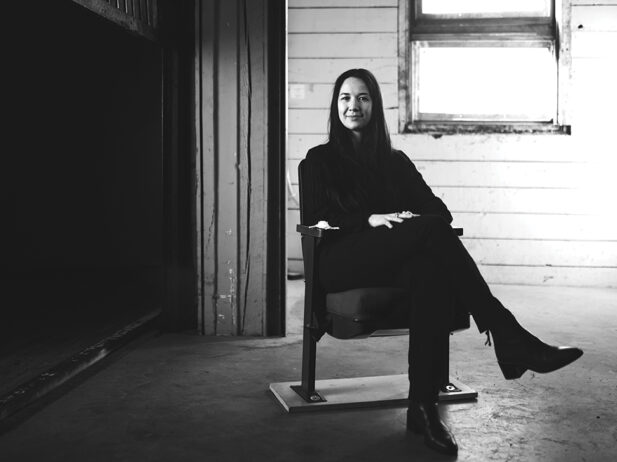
(395, 232)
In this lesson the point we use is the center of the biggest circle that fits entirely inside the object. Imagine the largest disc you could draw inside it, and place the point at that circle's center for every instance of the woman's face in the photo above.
(354, 104)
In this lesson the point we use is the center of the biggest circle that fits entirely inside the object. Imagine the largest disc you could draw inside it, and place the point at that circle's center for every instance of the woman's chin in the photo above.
(354, 125)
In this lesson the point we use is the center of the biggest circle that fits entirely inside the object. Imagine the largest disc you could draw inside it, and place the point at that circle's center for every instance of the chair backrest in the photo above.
(307, 194)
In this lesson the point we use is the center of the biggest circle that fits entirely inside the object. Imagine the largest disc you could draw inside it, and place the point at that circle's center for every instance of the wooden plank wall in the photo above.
(231, 164)
(537, 209)
(137, 16)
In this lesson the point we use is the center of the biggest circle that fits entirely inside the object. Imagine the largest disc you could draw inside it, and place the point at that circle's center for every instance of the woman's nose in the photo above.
(353, 103)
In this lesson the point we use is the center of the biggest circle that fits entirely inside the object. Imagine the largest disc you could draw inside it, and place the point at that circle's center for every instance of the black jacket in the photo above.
(401, 188)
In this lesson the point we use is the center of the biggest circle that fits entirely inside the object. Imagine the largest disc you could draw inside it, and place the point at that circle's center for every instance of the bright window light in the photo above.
(513, 83)
(496, 8)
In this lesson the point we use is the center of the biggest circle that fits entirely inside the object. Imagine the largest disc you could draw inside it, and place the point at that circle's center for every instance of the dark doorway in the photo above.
(82, 180)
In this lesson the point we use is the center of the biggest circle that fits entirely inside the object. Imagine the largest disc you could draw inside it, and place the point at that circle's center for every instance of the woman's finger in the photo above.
(392, 217)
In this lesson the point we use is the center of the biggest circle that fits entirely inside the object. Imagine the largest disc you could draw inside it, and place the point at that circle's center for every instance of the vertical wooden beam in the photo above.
(148, 12)
(206, 203)
(403, 67)
(179, 311)
(276, 268)
(155, 12)
(245, 159)
(142, 11)
(227, 118)
(563, 19)
(232, 156)
(199, 171)
(253, 168)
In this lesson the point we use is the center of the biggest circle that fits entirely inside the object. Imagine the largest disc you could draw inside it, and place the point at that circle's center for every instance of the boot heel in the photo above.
(511, 371)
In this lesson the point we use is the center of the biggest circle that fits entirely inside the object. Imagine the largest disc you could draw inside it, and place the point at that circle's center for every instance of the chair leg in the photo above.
(306, 389)
(451, 389)
(445, 375)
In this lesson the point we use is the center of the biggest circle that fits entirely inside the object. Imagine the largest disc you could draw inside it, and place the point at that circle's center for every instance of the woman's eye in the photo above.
(364, 99)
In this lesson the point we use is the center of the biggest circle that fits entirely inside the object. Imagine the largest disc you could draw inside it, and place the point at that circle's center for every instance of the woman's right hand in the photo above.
(385, 219)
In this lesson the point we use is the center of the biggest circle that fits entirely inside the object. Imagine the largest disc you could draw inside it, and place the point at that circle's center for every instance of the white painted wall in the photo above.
(537, 209)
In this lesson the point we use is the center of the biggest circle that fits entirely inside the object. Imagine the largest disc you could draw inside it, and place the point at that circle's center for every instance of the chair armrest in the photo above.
(319, 232)
(308, 231)
(312, 231)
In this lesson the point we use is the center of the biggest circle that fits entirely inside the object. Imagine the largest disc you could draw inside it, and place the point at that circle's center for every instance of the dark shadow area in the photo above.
(81, 185)
(12, 421)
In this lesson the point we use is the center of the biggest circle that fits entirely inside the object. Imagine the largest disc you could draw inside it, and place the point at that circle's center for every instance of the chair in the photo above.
(353, 314)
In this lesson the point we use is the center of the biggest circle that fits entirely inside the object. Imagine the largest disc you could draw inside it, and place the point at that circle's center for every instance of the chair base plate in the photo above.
(385, 390)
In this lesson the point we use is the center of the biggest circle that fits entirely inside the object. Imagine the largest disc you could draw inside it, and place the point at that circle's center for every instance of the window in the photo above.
(483, 65)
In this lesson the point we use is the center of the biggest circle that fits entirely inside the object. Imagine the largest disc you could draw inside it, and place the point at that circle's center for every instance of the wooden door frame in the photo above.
(176, 38)
(239, 198)
(277, 141)
(232, 284)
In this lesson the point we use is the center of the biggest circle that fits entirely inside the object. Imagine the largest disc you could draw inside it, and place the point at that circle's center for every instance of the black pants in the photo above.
(424, 255)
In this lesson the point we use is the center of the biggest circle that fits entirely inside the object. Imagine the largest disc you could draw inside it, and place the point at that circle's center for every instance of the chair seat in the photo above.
(365, 304)
(357, 313)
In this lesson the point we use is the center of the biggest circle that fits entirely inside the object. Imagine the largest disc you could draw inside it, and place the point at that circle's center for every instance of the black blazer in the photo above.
(407, 191)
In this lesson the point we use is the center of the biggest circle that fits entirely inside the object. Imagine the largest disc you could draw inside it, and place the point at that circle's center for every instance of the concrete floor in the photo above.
(190, 398)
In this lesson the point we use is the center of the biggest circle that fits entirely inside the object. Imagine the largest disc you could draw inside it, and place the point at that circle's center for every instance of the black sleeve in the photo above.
(315, 204)
(418, 195)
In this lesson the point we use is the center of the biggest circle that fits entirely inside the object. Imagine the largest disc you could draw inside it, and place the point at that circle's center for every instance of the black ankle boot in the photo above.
(517, 350)
(424, 418)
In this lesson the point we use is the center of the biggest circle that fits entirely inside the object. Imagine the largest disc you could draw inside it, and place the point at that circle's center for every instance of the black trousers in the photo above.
(424, 255)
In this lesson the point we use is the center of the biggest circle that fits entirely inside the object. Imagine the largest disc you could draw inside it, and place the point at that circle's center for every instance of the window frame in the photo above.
(555, 28)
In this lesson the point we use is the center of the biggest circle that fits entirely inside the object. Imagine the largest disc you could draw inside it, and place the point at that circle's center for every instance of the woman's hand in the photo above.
(386, 219)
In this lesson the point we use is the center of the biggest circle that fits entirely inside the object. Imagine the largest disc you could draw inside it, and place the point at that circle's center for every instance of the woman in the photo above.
(395, 232)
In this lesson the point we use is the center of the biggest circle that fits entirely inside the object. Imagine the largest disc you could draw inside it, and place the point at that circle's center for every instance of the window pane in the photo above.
(487, 8)
(514, 83)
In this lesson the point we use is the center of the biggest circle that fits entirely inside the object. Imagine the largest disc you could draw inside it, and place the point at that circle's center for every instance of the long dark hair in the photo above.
(375, 136)
(354, 172)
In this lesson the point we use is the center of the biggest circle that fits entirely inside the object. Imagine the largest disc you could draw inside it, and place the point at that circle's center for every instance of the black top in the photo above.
(400, 187)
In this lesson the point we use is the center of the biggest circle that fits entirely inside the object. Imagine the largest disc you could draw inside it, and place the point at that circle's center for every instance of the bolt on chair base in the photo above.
(313, 397)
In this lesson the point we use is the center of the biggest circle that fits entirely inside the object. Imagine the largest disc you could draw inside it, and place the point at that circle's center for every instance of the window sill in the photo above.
(439, 129)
